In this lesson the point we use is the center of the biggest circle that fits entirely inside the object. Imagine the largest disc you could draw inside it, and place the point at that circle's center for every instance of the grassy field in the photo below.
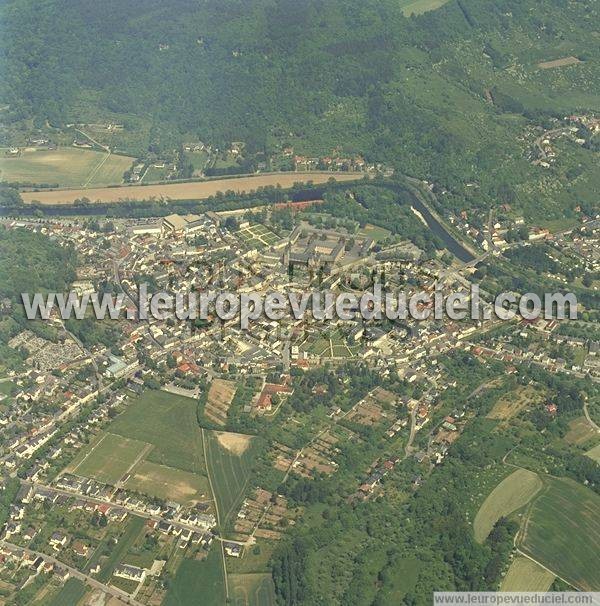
(579, 432)
(70, 593)
(594, 453)
(511, 494)
(252, 589)
(417, 7)
(66, 167)
(157, 441)
(108, 458)
(126, 540)
(562, 531)
(169, 423)
(198, 582)
(403, 580)
(168, 483)
(229, 473)
(525, 575)
(183, 191)
(6, 387)
(374, 232)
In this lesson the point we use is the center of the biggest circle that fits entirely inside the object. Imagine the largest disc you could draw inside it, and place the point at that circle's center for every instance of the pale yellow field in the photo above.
(236, 443)
(511, 494)
(526, 575)
(559, 62)
(183, 191)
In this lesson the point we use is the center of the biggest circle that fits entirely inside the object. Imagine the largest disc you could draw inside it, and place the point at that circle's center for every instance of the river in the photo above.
(453, 245)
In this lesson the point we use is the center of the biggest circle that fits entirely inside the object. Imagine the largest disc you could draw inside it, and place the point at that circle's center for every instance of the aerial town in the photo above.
(102, 425)
(299, 302)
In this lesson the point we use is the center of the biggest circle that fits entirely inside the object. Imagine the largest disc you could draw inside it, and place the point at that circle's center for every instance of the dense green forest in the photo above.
(445, 95)
(29, 262)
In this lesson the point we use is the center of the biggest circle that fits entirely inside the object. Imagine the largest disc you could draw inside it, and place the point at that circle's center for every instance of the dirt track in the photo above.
(182, 191)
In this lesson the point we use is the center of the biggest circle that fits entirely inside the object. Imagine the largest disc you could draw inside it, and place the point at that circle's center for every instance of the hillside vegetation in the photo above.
(445, 95)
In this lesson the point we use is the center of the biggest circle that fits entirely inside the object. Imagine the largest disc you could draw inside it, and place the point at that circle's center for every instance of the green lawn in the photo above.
(66, 166)
(257, 235)
(198, 582)
(108, 458)
(229, 474)
(173, 469)
(6, 387)
(255, 589)
(374, 232)
(70, 593)
(402, 580)
(169, 423)
(197, 159)
(562, 531)
(416, 7)
(594, 453)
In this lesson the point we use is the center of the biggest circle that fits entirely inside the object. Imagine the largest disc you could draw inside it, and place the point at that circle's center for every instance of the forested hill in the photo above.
(444, 94)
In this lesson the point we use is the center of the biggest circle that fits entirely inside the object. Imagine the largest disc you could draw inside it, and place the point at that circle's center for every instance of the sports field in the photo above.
(157, 442)
(168, 483)
(228, 462)
(184, 191)
(562, 532)
(511, 494)
(254, 589)
(169, 423)
(108, 458)
(65, 166)
(525, 575)
(198, 582)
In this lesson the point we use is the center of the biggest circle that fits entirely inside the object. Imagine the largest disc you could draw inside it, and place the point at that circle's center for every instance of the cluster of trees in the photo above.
(29, 263)
(342, 387)
(10, 197)
(289, 565)
(92, 332)
(8, 492)
(384, 207)
(32, 262)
